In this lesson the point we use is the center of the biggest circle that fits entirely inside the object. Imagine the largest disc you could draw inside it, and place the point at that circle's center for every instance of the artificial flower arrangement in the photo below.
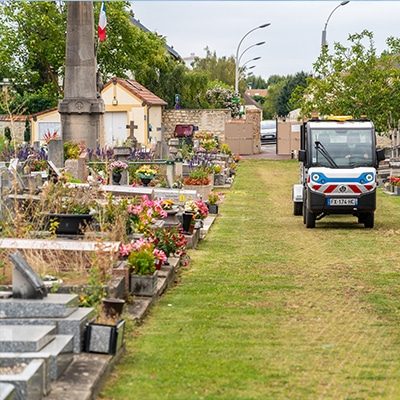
(168, 205)
(118, 166)
(145, 213)
(170, 241)
(197, 207)
(198, 176)
(394, 180)
(143, 257)
(146, 171)
(213, 198)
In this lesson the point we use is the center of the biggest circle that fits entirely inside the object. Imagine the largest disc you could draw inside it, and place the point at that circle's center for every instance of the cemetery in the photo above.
(81, 234)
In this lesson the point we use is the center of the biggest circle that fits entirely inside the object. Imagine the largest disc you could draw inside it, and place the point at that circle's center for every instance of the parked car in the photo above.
(268, 131)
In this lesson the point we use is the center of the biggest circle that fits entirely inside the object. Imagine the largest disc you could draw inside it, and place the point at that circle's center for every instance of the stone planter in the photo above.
(69, 224)
(219, 179)
(396, 190)
(104, 339)
(143, 285)
(202, 190)
(212, 208)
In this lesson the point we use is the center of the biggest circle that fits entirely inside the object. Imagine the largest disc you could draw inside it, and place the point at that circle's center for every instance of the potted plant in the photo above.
(105, 335)
(116, 168)
(143, 261)
(171, 241)
(212, 203)
(199, 180)
(395, 184)
(146, 174)
(70, 209)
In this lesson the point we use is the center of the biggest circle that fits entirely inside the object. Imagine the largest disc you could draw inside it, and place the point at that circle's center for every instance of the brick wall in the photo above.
(207, 120)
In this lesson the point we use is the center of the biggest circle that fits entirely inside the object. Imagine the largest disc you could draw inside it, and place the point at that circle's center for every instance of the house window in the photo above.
(51, 127)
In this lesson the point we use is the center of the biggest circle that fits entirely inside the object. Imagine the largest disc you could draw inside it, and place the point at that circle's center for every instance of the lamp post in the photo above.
(237, 53)
(324, 43)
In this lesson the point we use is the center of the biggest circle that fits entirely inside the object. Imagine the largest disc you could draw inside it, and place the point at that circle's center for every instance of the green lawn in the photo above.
(270, 310)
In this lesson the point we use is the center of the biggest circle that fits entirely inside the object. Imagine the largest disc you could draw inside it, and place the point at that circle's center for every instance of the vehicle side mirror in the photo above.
(380, 155)
(302, 156)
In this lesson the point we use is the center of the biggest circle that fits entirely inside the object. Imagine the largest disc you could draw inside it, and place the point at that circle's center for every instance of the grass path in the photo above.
(271, 310)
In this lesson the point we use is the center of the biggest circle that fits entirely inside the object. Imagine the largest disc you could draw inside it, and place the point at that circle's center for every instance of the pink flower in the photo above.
(159, 255)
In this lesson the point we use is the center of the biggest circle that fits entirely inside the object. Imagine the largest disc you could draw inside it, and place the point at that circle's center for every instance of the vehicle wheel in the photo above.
(361, 218)
(298, 208)
(310, 219)
(369, 220)
(304, 212)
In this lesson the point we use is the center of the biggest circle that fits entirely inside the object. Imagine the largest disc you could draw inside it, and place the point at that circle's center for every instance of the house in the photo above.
(126, 101)
(257, 92)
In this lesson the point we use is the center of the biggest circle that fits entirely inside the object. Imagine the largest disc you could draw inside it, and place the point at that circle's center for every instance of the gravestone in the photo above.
(77, 168)
(56, 152)
(26, 283)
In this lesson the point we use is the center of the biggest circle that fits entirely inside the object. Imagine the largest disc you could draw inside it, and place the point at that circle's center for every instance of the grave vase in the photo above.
(116, 177)
(187, 218)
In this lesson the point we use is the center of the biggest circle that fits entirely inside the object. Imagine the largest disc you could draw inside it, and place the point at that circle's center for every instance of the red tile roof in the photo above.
(139, 91)
(16, 118)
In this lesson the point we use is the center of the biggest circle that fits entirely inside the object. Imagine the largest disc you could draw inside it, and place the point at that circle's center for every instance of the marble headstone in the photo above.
(26, 283)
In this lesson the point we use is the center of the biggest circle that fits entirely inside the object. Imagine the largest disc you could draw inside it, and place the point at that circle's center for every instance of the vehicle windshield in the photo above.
(268, 124)
(342, 148)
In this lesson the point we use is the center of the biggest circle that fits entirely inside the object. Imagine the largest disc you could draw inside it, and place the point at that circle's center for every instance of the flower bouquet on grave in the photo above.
(144, 259)
(116, 168)
(146, 174)
(212, 203)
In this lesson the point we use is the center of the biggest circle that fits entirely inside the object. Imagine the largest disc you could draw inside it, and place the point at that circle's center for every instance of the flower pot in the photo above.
(212, 208)
(187, 221)
(116, 177)
(105, 339)
(69, 224)
(113, 307)
(143, 285)
(145, 181)
(396, 190)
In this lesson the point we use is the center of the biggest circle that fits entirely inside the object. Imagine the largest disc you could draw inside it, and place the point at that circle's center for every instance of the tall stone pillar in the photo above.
(81, 110)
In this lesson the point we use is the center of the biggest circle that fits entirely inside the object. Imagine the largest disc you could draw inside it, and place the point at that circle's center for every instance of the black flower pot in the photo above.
(116, 177)
(69, 224)
(186, 221)
(145, 181)
(104, 339)
(113, 307)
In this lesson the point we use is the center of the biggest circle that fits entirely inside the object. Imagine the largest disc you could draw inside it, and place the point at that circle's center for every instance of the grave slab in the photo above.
(7, 391)
(73, 325)
(53, 306)
(57, 356)
(22, 338)
(29, 384)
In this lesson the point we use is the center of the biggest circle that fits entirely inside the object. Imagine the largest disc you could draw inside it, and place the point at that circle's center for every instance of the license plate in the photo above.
(342, 202)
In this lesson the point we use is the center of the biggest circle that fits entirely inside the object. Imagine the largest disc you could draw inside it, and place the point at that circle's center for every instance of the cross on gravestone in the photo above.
(132, 128)
(26, 283)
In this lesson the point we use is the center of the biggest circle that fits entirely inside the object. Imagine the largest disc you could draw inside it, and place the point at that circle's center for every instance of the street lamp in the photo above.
(248, 48)
(237, 54)
(324, 43)
(248, 61)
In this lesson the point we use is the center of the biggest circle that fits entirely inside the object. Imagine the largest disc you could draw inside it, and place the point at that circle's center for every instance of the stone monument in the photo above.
(81, 109)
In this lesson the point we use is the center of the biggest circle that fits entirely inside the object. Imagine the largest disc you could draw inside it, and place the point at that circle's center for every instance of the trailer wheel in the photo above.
(369, 220)
(310, 219)
(298, 208)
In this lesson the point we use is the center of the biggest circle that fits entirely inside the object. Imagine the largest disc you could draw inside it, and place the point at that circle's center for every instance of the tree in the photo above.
(355, 81)
(256, 82)
(32, 52)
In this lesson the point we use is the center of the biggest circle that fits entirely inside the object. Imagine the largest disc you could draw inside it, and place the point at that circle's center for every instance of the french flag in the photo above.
(101, 29)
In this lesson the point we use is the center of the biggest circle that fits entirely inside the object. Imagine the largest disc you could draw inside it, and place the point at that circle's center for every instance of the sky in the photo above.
(293, 40)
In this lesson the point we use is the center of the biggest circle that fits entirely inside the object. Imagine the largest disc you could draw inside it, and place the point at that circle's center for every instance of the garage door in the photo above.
(115, 128)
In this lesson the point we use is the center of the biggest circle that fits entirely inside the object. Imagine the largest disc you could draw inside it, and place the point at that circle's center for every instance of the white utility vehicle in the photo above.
(338, 175)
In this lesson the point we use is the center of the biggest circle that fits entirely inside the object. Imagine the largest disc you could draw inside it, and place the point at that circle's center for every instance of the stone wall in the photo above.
(17, 127)
(207, 120)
